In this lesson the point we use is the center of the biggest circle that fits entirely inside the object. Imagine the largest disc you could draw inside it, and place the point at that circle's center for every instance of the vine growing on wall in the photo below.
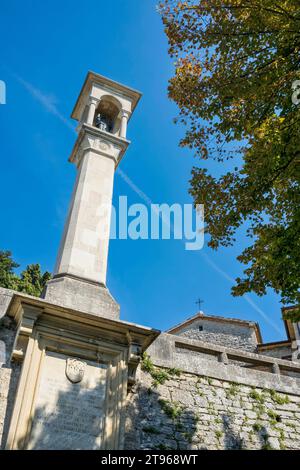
(159, 375)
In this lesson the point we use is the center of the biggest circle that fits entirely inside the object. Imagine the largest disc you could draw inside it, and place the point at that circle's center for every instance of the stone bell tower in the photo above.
(102, 110)
(77, 358)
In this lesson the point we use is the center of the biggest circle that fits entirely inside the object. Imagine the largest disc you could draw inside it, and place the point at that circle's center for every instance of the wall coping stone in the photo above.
(164, 353)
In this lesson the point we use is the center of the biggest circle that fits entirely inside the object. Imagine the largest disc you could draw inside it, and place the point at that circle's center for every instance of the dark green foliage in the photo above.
(236, 63)
(257, 427)
(7, 265)
(31, 280)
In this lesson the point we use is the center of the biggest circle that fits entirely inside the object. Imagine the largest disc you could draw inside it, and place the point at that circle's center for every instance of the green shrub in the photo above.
(151, 430)
(279, 399)
(172, 410)
(257, 396)
(274, 416)
(257, 427)
(233, 390)
(159, 376)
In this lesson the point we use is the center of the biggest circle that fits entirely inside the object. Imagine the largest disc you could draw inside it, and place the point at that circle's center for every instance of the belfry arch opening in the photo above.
(106, 115)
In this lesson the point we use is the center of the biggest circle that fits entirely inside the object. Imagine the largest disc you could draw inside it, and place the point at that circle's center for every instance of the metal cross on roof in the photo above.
(199, 302)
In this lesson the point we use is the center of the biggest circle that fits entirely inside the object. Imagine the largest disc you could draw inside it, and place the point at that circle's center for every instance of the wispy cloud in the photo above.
(49, 104)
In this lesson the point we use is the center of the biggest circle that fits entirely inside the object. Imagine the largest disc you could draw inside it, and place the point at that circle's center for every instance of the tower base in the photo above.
(83, 295)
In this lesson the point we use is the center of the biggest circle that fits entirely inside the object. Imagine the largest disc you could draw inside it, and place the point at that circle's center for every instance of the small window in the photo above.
(200, 328)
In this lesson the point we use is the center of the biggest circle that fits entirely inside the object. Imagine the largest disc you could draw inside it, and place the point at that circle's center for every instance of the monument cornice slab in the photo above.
(27, 311)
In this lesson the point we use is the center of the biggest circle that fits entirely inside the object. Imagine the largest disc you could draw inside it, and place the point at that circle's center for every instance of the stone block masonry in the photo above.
(235, 334)
(9, 375)
(194, 395)
(195, 412)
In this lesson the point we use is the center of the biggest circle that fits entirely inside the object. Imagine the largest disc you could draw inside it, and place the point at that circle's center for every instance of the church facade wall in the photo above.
(232, 335)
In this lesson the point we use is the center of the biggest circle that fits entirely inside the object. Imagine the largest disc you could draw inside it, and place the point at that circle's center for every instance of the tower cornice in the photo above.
(101, 142)
(111, 86)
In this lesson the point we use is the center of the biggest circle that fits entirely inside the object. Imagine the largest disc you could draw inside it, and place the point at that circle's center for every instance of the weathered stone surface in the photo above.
(164, 352)
(212, 407)
(212, 426)
(9, 372)
(83, 296)
(8, 386)
(5, 298)
(69, 415)
(234, 335)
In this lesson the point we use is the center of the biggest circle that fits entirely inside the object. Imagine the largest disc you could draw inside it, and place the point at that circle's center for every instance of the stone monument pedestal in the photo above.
(76, 369)
(80, 294)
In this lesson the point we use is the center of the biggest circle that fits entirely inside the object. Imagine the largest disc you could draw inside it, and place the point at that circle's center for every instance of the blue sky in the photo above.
(47, 49)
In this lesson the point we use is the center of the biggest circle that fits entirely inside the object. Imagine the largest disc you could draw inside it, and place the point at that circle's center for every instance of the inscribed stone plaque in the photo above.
(69, 415)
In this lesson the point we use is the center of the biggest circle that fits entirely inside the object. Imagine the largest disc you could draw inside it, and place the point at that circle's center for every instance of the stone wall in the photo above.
(9, 376)
(190, 411)
(281, 352)
(5, 298)
(233, 335)
(194, 395)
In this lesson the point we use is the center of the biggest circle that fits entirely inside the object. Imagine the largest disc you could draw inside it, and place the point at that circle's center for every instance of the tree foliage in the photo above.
(31, 279)
(236, 63)
(8, 278)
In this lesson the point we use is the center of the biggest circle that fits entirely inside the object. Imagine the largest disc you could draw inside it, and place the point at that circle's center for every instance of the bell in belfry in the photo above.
(103, 122)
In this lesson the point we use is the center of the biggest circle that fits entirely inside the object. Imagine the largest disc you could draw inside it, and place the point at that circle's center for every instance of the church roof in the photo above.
(274, 345)
(201, 316)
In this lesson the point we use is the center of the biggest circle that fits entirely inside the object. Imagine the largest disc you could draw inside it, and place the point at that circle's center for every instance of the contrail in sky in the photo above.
(204, 255)
(47, 101)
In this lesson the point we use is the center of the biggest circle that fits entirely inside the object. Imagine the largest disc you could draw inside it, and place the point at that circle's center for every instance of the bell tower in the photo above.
(102, 110)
